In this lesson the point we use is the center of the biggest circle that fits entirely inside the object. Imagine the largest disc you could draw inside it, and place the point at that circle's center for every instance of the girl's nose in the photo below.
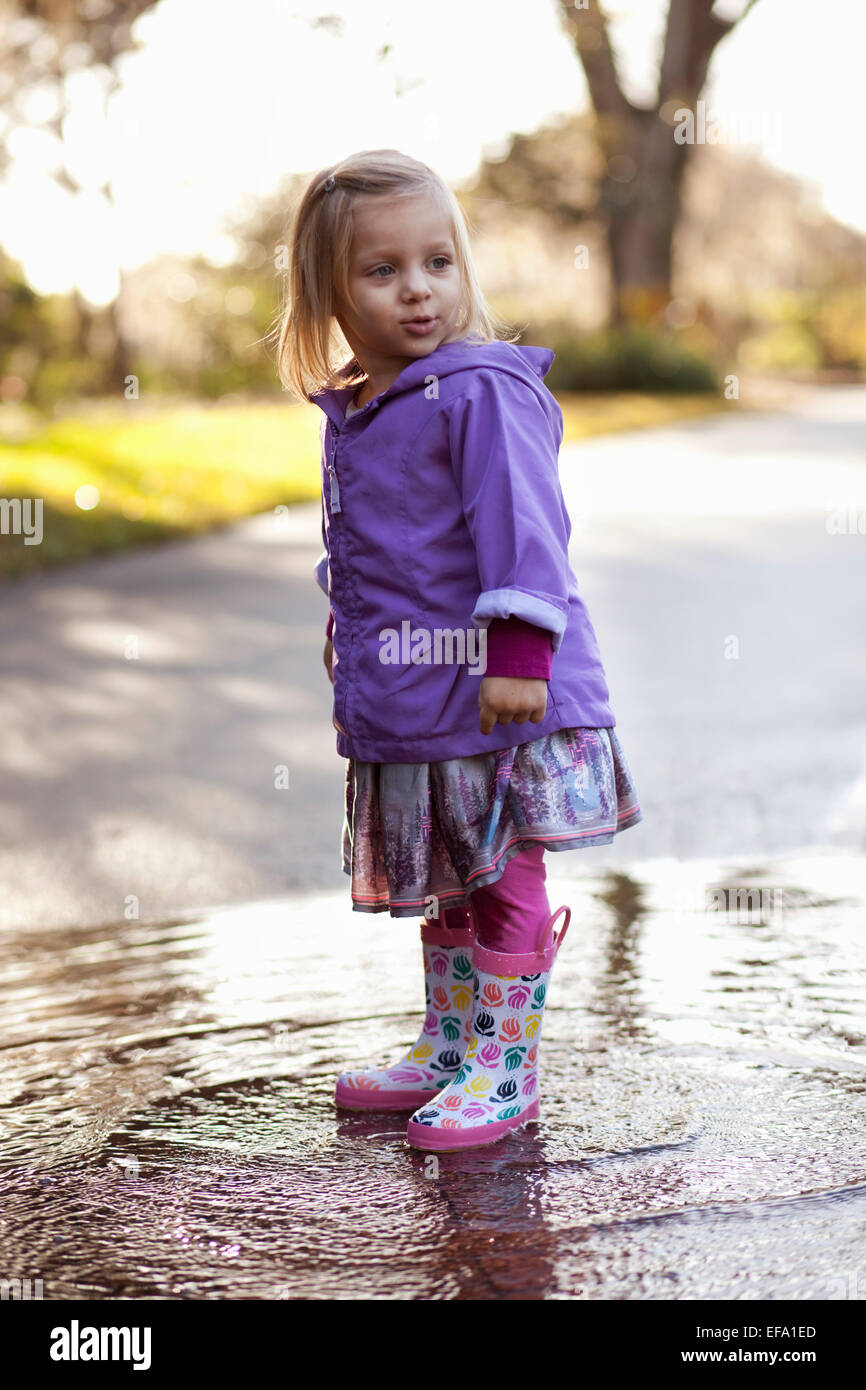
(417, 287)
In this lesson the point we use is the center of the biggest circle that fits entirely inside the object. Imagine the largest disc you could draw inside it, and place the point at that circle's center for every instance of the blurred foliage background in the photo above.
(655, 270)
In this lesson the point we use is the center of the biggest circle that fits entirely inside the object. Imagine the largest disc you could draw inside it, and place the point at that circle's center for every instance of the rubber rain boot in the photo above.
(435, 1057)
(495, 1090)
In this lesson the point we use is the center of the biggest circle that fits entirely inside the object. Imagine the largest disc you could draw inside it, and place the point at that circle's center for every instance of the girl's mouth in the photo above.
(420, 327)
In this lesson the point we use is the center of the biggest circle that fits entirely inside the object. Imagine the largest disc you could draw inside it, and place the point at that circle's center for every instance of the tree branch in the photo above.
(588, 28)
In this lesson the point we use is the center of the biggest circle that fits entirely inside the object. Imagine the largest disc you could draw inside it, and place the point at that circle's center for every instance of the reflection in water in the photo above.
(168, 1128)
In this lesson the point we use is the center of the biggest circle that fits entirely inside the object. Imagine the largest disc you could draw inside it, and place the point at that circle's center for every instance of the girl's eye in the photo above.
(446, 261)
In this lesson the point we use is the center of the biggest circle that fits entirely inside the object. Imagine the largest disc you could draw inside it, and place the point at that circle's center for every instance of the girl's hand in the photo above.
(329, 667)
(506, 698)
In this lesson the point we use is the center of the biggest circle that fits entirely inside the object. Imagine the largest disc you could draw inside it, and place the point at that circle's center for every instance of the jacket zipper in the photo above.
(332, 473)
(335, 507)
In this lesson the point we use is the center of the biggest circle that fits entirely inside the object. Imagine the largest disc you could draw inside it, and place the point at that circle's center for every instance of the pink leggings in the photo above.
(510, 912)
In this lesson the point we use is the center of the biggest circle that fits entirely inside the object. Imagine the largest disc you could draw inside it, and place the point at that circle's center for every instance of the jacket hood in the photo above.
(528, 363)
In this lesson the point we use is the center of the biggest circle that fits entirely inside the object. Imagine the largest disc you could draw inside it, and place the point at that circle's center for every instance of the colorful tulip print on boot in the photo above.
(496, 1089)
(435, 1057)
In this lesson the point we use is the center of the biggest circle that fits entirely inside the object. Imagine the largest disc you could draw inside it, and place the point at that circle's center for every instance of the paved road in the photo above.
(166, 1099)
(168, 1127)
(152, 776)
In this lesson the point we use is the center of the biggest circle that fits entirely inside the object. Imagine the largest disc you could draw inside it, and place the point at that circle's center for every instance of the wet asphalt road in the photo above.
(166, 1119)
(169, 1131)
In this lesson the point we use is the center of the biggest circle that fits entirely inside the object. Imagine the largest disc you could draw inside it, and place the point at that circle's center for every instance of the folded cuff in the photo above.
(517, 603)
(321, 572)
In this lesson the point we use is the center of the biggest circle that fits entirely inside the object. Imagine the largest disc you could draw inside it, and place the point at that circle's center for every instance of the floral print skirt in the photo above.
(416, 830)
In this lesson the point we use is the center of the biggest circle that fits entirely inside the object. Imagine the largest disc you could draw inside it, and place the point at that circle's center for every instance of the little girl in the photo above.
(455, 621)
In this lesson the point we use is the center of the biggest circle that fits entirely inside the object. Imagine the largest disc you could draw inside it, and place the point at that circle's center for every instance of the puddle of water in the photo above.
(168, 1128)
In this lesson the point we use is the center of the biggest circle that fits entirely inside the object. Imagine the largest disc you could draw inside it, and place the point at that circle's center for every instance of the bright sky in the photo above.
(223, 100)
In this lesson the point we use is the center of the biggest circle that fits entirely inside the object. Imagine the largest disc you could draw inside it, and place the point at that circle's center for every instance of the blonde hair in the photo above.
(320, 239)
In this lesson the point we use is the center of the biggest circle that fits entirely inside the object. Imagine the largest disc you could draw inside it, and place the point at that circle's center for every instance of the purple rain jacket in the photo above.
(442, 509)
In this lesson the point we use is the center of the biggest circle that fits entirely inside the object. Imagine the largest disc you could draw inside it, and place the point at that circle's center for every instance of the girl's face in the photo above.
(402, 267)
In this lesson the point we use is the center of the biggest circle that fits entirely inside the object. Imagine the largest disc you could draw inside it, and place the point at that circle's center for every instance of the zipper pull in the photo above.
(335, 485)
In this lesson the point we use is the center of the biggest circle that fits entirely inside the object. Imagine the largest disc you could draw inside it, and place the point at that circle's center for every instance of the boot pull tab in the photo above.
(544, 941)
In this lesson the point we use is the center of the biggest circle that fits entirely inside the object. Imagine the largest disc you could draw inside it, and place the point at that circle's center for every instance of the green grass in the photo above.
(170, 470)
(611, 411)
(161, 474)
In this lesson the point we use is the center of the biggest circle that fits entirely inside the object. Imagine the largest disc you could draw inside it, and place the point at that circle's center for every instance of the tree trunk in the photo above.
(119, 365)
(641, 189)
(642, 215)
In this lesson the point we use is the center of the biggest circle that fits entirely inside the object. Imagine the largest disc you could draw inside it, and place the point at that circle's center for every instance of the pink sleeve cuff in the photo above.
(514, 648)
(518, 648)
